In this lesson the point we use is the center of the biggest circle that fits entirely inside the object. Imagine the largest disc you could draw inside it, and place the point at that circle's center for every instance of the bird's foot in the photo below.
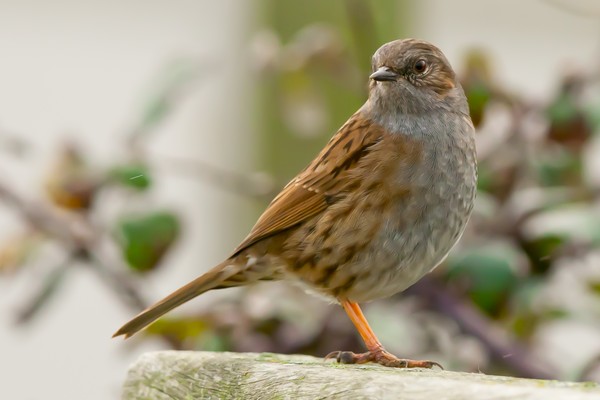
(380, 357)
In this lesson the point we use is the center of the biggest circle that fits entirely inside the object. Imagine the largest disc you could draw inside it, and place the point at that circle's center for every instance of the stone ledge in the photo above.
(173, 375)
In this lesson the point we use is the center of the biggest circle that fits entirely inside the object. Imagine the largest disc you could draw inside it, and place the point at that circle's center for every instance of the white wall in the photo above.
(84, 69)
(530, 42)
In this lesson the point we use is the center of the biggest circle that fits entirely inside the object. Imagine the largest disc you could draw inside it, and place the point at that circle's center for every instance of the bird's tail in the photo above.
(213, 279)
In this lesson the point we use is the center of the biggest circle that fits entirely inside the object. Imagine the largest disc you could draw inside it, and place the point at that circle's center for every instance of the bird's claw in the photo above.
(380, 357)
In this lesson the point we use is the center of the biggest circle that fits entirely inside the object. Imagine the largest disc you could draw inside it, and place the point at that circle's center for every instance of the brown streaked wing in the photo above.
(310, 192)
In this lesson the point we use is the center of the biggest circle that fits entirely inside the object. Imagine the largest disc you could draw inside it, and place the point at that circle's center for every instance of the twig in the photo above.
(79, 242)
(494, 338)
(48, 288)
(10, 142)
(82, 244)
(257, 185)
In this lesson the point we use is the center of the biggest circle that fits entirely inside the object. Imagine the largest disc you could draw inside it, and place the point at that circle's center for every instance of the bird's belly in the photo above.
(405, 249)
(373, 246)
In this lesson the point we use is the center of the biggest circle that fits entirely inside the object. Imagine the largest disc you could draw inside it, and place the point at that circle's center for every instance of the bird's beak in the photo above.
(384, 74)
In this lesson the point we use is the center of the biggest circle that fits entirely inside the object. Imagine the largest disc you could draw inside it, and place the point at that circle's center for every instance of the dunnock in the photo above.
(380, 206)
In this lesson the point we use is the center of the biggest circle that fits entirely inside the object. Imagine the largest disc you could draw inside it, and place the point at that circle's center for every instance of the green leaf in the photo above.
(488, 273)
(135, 176)
(485, 179)
(594, 287)
(144, 239)
(592, 113)
(180, 328)
(478, 96)
(559, 168)
(156, 110)
(541, 250)
(562, 110)
(169, 88)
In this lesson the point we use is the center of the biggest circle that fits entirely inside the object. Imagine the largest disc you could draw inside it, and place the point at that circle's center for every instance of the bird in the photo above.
(379, 207)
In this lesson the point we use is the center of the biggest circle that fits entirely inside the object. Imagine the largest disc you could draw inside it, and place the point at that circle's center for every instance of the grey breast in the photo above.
(418, 235)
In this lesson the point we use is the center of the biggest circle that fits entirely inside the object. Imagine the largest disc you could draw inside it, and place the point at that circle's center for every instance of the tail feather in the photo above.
(210, 280)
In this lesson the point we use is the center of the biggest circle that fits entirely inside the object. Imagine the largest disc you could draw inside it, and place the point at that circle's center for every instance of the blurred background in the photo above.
(140, 141)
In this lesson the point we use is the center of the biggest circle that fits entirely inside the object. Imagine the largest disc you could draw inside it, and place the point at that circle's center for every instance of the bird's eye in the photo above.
(420, 66)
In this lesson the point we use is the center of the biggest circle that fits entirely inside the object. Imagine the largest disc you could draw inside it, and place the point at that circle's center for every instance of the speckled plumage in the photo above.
(379, 207)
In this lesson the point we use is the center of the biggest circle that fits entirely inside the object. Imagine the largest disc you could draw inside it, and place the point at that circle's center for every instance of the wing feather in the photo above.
(313, 190)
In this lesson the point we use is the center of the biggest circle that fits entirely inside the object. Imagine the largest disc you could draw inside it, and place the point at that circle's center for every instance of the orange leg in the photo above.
(376, 353)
